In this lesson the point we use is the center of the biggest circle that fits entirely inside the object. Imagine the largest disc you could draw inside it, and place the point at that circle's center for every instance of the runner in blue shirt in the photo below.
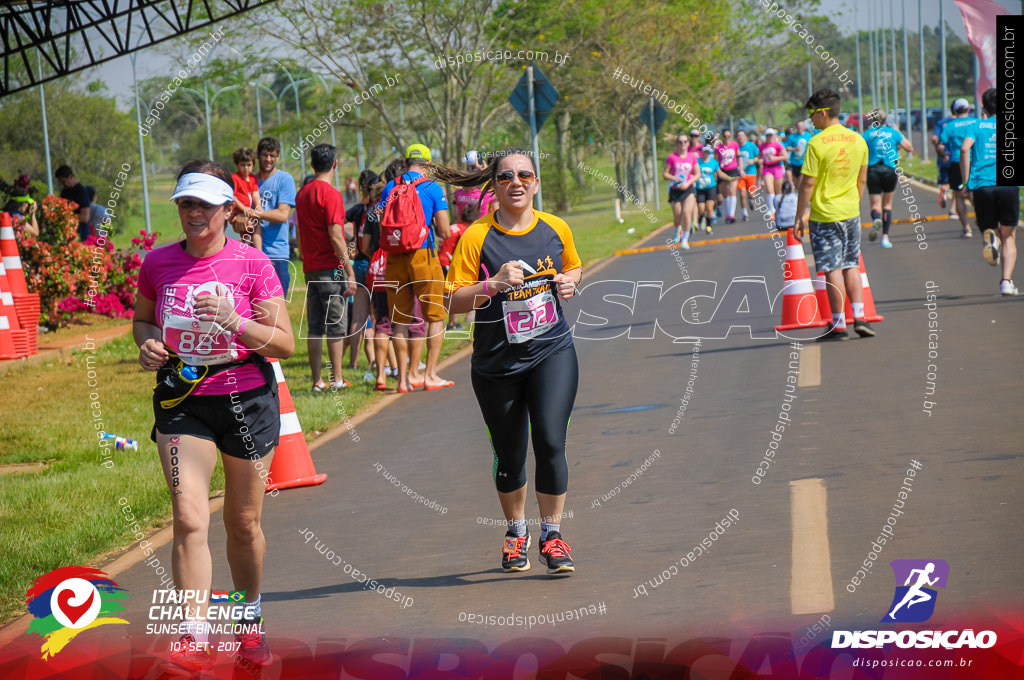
(953, 134)
(884, 143)
(996, 206)
(796, 145)
(942, 164)
(748, 170)
(707, 189)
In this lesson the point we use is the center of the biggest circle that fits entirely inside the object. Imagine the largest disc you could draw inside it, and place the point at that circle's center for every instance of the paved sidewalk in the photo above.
(61, 350)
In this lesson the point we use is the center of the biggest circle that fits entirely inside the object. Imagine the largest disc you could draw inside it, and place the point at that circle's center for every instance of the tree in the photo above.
(86, 132)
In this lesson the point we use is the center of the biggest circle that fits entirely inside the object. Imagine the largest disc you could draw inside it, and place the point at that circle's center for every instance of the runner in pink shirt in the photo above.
(208, 310)
(727, 154)
(682, 171)
(773, 170)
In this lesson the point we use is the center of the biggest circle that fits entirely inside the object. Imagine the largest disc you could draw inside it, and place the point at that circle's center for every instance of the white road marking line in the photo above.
(810, 590)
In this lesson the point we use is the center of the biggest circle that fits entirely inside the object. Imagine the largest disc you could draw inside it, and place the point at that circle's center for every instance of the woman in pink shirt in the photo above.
(727, 154)
(773, 170)
(208, 310)
(682, 171)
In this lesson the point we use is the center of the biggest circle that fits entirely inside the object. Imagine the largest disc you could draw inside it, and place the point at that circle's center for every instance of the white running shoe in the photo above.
(886, 243)
(685, 245)
(991, 249)
(1007, 288)
(876, 228)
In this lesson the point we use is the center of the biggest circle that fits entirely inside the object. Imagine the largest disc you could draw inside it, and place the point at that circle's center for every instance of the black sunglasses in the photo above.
(506, 176)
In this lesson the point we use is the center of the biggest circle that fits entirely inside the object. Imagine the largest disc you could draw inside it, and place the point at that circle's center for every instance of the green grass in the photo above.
(69, 513)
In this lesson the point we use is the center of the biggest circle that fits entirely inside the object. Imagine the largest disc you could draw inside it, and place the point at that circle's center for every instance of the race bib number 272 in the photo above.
(527, 319)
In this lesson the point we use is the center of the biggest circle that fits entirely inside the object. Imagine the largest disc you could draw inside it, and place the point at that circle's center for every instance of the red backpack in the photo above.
(402, 228)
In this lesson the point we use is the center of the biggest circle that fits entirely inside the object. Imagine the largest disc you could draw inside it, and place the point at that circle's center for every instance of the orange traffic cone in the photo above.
(870, 313)
(11, 257)
(7, 306)
(293, 464)
(7, 350)
(821, 292)
(800, 307)
(14, 342)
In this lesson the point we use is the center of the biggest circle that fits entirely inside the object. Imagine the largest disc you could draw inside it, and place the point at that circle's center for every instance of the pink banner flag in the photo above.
(980, 22)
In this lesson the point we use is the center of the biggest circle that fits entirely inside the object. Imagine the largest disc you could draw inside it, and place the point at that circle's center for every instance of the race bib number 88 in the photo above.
(207, 344)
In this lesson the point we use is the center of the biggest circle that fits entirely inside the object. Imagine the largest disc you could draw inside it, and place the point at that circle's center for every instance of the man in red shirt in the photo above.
(330, 279)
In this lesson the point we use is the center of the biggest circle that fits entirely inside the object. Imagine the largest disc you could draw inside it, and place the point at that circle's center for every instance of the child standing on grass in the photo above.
(247, 195)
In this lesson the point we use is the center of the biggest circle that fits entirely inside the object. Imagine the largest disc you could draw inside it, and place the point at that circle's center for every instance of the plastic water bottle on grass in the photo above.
(120, 443)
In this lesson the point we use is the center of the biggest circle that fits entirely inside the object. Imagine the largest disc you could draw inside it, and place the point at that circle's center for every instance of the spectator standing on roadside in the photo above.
(996, 207)
(355, 224)
(834, 176)
(277, 193)
(419, 275)
(325, 262)
(76, 192)
(97, 213)
(953, 135)
(22, 206)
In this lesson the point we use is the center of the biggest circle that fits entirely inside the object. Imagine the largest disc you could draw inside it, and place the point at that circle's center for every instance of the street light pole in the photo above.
(895, 84)
(871, 63)
(860, 93)
(206, 106)
(942, 60)
(46, 133)
(142, 148)
(298, 114)
(906, 72)
(924, 102)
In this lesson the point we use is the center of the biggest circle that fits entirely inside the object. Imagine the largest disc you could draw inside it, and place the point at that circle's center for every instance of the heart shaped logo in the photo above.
(73, 612)
(75, 603)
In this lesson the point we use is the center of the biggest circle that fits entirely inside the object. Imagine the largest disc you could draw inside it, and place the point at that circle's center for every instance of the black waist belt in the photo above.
(176, 380)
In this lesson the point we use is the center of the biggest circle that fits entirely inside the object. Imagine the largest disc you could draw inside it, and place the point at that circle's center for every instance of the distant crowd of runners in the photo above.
(710, 177)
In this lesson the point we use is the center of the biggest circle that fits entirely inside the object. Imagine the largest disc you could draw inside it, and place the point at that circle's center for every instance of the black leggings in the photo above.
(539, 403)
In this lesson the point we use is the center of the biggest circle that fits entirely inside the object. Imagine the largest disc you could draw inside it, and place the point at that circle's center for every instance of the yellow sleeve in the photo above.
(570, 258)
(465, 268)
(810, 167)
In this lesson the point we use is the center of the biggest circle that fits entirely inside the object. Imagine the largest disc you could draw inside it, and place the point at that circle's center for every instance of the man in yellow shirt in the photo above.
(834, 176)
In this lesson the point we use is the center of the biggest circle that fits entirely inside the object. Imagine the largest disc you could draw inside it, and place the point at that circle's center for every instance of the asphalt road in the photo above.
(853, 427)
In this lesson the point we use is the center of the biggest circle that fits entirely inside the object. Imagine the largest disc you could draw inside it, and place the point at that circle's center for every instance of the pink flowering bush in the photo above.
(112, 290)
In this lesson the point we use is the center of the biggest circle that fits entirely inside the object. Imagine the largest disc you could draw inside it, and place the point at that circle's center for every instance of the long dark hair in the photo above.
(479, 178)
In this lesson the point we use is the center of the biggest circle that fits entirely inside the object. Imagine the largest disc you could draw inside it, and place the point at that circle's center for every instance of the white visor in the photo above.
(206, 188)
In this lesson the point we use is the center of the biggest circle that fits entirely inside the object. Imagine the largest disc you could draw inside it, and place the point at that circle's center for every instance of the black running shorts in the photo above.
(996, 206)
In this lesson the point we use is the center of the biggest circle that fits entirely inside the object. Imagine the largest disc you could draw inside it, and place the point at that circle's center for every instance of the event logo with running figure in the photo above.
(914, 601)
(70, 600)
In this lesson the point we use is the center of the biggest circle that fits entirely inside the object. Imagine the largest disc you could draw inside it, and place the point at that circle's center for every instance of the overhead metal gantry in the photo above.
(44, 41)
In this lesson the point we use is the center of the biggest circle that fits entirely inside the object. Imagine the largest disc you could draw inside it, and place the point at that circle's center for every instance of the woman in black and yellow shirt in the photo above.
(513, 266)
